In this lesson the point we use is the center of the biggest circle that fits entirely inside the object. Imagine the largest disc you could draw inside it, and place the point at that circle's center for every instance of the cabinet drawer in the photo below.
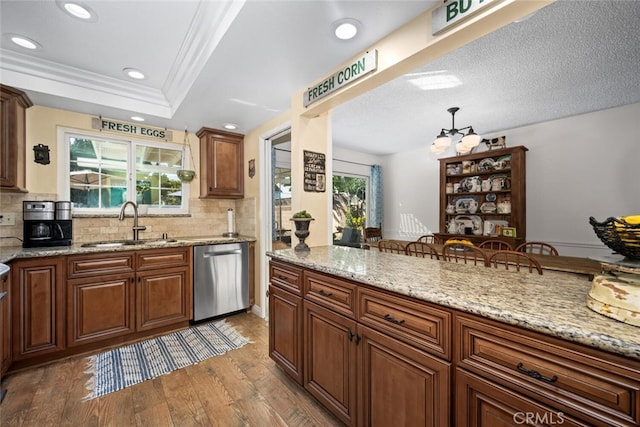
(286, 276)
(100, 264)
(160, 258)
(331, 292)
(417, 323)
(597, 387)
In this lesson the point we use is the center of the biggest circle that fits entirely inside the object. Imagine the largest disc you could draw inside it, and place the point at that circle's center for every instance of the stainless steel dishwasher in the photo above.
(220, 279)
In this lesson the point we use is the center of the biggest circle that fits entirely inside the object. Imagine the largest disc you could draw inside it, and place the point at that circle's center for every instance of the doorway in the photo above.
(349, 208)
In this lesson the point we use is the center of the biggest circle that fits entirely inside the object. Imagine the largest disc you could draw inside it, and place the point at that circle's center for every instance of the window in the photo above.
(102, 172)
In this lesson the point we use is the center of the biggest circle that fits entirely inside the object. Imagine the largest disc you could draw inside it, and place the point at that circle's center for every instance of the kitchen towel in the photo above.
(122, 367)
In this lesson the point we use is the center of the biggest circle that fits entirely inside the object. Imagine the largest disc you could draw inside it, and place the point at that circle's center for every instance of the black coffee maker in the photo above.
(46, 223)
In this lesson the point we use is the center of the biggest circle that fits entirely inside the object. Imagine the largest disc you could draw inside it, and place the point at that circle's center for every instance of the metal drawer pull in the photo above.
(535, 374)
(351, 336)
(388, 318)
(282, 277)
(324, 294)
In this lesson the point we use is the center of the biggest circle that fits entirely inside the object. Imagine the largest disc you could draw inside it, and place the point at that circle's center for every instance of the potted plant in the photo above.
(302, 219)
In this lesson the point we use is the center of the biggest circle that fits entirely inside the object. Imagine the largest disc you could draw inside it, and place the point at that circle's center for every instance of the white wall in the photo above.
(577, 167)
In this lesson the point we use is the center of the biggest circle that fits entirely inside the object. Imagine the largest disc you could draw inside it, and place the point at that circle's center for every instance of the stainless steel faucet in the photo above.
(136, 228)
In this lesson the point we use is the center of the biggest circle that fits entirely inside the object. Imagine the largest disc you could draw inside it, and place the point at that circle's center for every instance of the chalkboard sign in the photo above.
(315, 177)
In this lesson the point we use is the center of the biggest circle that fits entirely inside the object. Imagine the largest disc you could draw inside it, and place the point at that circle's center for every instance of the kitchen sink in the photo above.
(157, 242)
(119, 243)
(111, 244)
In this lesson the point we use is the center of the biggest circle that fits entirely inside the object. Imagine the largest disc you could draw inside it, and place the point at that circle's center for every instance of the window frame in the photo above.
(64, 190)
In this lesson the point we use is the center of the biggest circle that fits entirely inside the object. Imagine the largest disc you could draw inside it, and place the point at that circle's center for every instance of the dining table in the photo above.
(569, 264)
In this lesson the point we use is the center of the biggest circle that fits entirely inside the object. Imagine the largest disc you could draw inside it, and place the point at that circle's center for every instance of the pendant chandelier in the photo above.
(464, 146)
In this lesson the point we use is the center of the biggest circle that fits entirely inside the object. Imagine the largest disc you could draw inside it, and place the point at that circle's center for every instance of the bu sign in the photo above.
(454, 12)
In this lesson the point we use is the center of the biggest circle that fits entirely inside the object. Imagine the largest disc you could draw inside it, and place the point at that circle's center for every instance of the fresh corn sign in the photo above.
(352, 72)
(455, 11)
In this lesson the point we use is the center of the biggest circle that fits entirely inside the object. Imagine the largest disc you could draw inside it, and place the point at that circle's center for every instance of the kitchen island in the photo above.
(482, 335)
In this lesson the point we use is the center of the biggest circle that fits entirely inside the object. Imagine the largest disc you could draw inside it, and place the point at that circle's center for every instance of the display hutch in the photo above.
(483, 196)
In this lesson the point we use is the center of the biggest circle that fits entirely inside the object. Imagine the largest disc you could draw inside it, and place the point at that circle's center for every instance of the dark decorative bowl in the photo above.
(619, 235)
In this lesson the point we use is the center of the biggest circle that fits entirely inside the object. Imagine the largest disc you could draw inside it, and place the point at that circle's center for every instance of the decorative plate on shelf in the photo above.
(471, 184)
(468, 221)
(486, 165)
(466, 204)
(491, 197)
(488, 207)
(503, 162)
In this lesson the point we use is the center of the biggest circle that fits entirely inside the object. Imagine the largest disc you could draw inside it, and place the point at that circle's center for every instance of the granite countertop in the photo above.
(553, 303)
(8, 253)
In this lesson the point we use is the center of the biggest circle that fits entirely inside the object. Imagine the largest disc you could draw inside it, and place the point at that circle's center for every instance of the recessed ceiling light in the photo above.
(25, 42)
(133, 73)
(137, 119)
(78, 10)
(230, 126)
(346, 29)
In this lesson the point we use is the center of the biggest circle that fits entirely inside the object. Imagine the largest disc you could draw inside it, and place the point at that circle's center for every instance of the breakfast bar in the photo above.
(525, 339)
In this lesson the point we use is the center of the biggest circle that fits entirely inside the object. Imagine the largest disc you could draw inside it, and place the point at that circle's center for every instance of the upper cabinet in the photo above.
(482, 194)
(221, 160)
(12, 138)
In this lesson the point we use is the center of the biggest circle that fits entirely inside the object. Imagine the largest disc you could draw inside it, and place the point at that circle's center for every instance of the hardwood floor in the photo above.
(240, 388)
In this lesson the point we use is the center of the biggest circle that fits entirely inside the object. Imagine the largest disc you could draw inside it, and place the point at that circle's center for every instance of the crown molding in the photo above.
(52, 78)
(210, 23)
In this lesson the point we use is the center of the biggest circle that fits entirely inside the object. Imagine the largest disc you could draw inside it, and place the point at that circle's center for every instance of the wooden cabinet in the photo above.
(480, 189)
(400, 384)
(12, 138)
(37, 311)
(481, 403)
(221, 164)
(592, 387)
(388, 374)
(330, 350)
(163, 287)
(122, 293)
(5, 323)
(285, 318)
(100, 297)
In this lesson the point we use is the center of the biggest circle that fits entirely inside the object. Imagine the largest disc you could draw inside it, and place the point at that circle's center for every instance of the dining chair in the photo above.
(537, 248)
(390, 246)
(514, 259)
(466, 254)
(421, 250)
(427, 238)
(372, 234)
(496, 245)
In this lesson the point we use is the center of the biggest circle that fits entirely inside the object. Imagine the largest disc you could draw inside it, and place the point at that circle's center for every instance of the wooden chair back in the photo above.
(464, 254)
(537, 248)
(422, 250)
(496, 245)
(372, 234)
(427, 238)
(514, 259)
(390, 246)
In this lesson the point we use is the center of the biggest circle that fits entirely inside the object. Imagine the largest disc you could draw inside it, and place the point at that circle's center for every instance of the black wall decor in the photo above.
(41, 153)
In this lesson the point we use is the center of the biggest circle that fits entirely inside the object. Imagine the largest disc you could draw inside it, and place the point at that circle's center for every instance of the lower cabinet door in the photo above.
(330, 360)
(481, 403)
(99, 308)
(285, 331)
(401, 385)
(163, 297)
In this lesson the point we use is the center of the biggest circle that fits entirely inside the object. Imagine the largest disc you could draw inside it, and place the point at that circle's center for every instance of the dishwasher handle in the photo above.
(212, 254)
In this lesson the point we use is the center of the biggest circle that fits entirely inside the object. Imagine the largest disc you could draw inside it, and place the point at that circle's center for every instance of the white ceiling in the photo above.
(211, 62)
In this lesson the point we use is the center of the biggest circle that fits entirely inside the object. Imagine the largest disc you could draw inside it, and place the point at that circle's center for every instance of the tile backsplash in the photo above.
(208, 217)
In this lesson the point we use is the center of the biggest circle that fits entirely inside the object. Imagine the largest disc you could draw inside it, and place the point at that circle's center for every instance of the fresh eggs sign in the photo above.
(130, 129)
(352, 72)
(455, 11)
